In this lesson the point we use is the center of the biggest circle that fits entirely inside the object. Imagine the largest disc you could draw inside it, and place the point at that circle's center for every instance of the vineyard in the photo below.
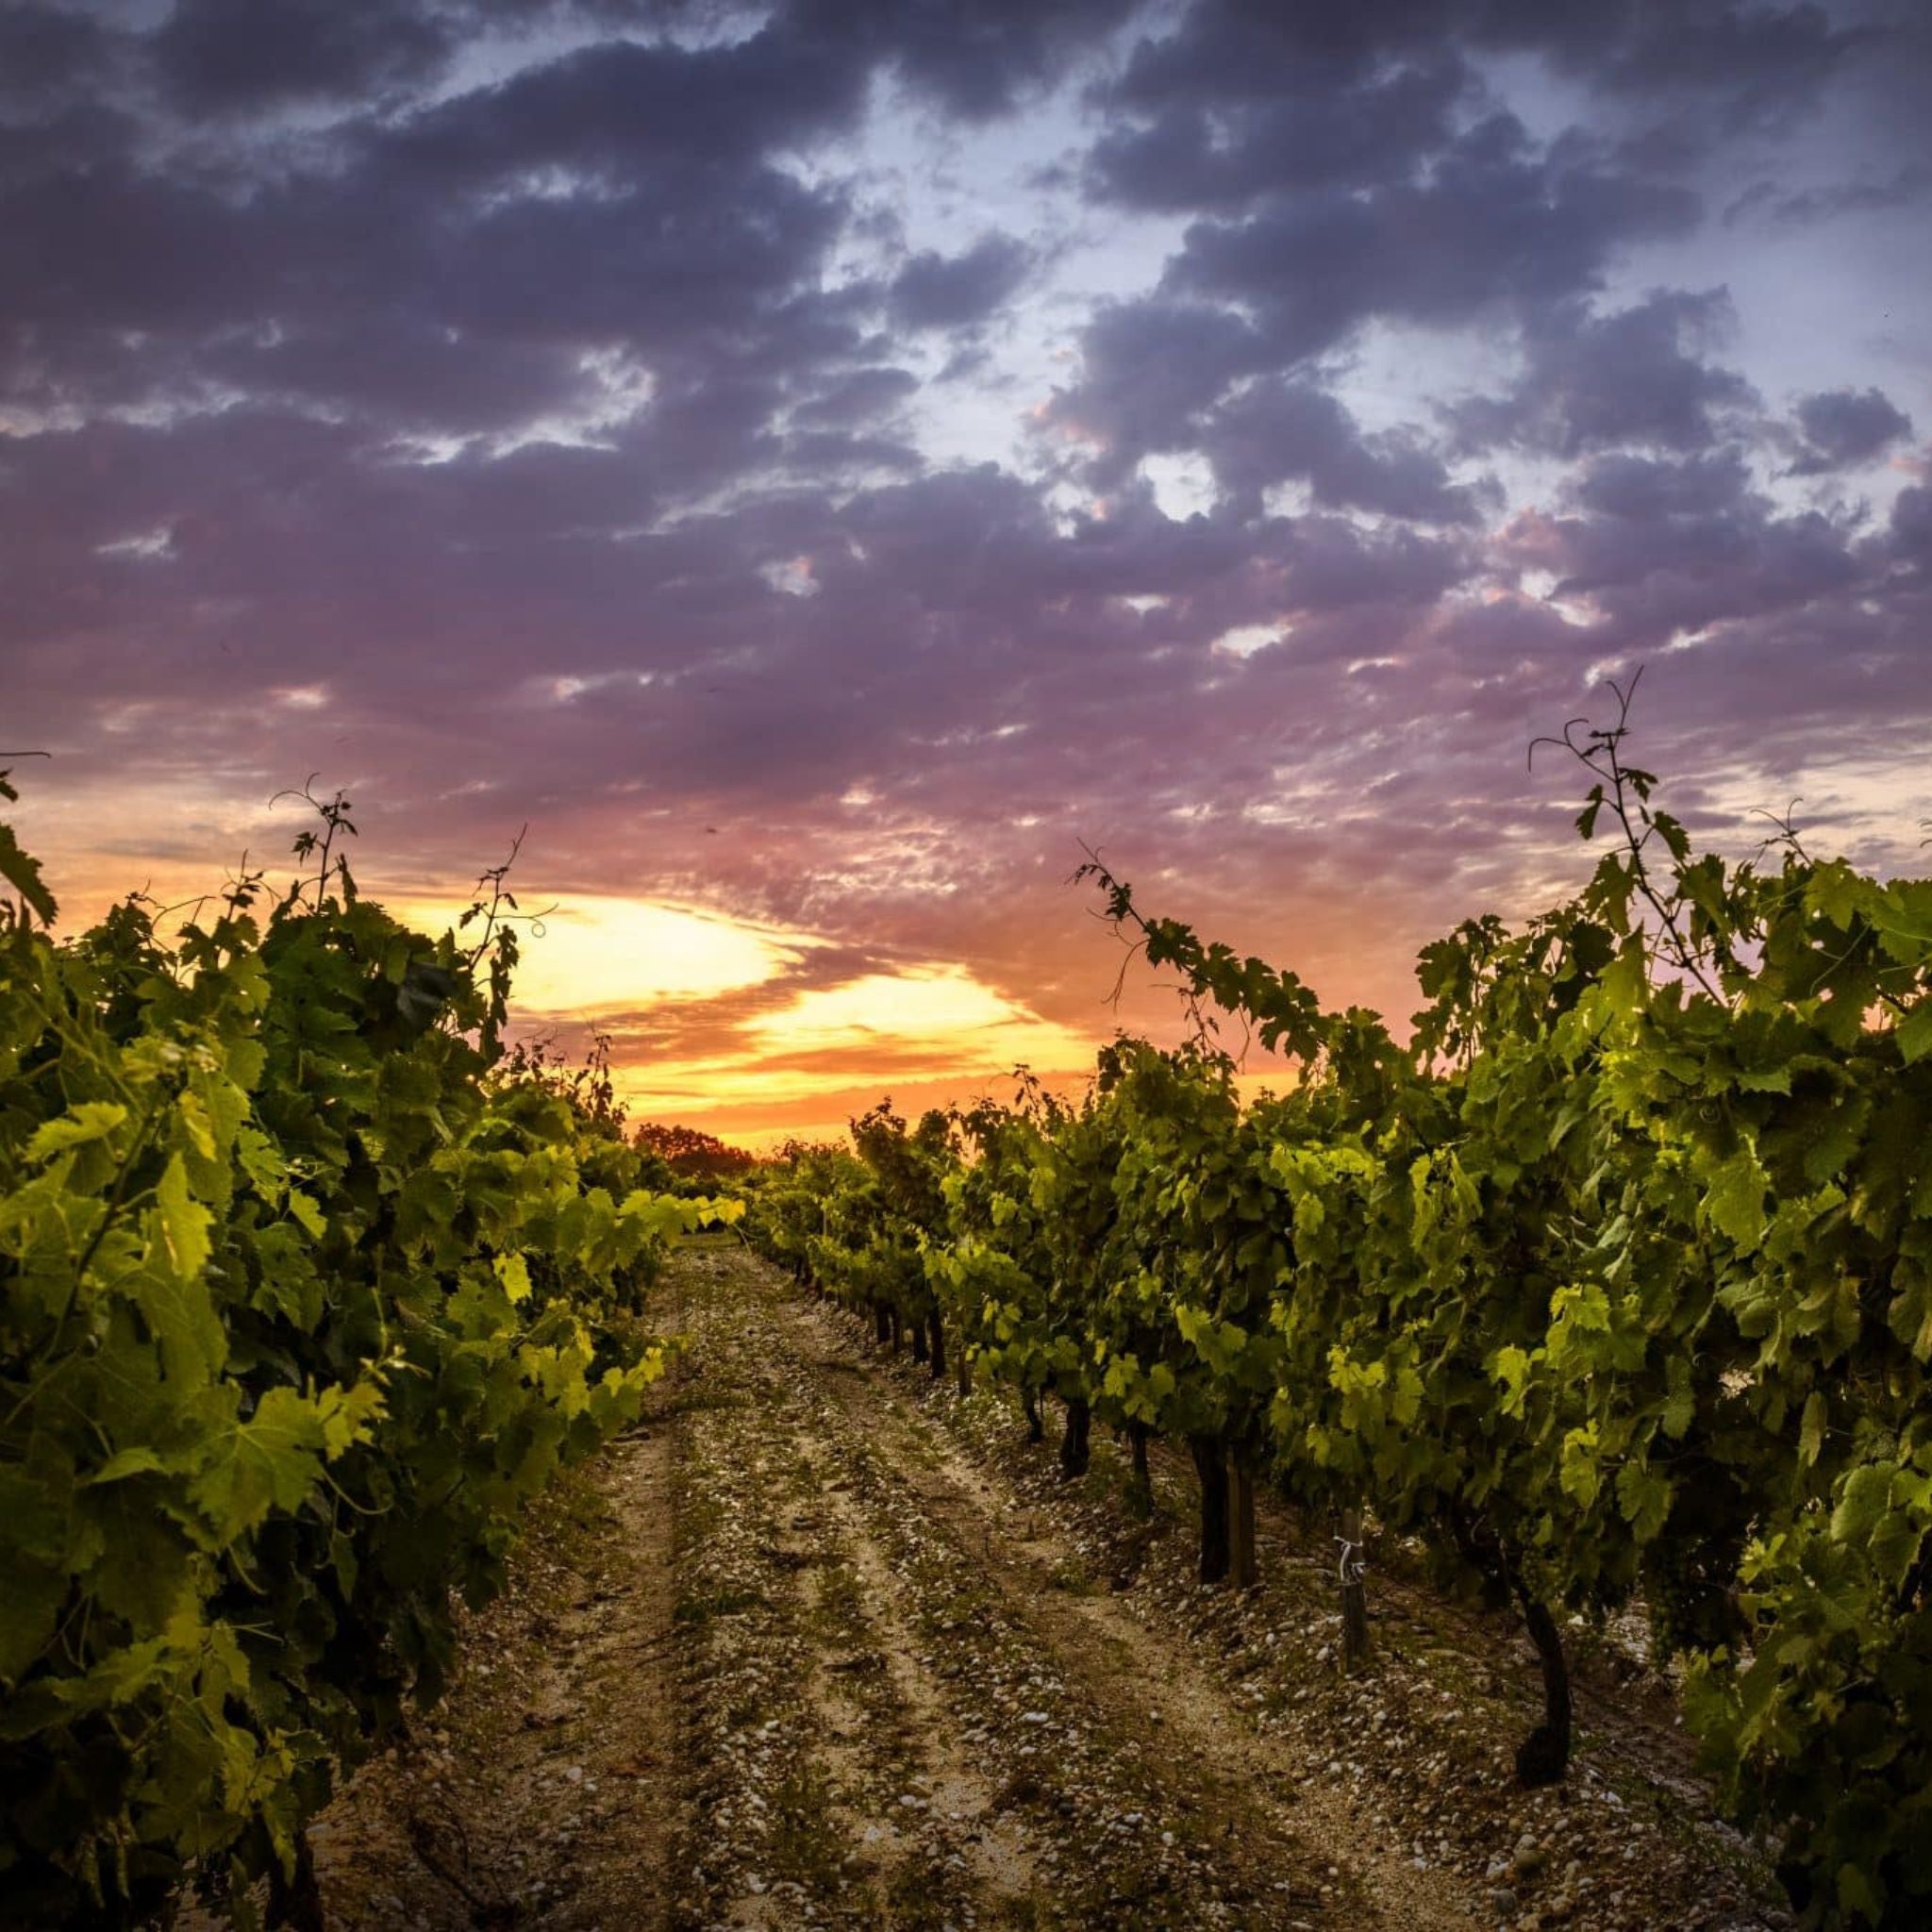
(1600, 1302)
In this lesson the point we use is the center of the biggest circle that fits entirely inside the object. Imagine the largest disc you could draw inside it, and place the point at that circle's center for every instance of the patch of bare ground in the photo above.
(543, 1791)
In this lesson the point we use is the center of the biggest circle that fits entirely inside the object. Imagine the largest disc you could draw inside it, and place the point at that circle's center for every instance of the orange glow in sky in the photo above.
(756, 1059)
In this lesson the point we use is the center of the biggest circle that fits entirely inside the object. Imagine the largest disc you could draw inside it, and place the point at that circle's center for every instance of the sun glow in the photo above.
(586, 956)
(762, 1061)
(928, 1035)
(942, 1008)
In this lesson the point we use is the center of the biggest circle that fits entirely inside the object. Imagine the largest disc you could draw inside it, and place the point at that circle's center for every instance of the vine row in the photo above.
(1610, 1284)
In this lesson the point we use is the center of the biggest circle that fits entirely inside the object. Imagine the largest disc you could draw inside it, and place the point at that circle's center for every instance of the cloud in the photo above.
(223, 56)
(1499, 226)
(936, 290)
(1634, 376)
(1204, 135)
(1845, 429)
(1772, 202)
(1663, 548)
(740, 442)
(1274, 431)
(977, 63)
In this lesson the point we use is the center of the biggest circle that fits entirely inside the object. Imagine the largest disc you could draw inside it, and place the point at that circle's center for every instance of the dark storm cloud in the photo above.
(524, 405)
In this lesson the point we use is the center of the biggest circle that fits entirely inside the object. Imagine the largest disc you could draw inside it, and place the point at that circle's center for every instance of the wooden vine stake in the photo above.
(1355, 1598)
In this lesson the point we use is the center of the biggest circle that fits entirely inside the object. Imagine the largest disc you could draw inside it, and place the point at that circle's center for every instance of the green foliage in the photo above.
(857, 1223)
(305, 1295)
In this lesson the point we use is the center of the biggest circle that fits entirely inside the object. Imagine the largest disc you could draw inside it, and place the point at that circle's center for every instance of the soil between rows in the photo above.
(819, 1644)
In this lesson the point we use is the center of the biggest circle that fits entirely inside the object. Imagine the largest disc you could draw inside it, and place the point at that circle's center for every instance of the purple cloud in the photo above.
(936, 290)
(1843, 428)
(1637, 376)
(218, 55)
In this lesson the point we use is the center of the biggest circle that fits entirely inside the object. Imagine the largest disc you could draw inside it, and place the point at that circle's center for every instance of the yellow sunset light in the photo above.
(930, 1031)
(593, 954)
(941, 1007)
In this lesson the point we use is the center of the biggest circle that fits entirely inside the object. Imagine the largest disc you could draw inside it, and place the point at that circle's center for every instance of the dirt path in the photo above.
(820, 1644)
(894, 1721)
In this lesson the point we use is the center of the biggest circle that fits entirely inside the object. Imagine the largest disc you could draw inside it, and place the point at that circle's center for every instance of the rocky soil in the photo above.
(822, 1644)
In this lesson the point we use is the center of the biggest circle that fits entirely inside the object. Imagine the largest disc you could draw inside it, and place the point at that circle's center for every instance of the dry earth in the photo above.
(822, 1644)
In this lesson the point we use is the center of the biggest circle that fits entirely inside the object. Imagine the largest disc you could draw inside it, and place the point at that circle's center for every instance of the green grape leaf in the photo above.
(93, 1119)
(1735, 1200)
(1914, 1032)
(1680, 1403)
(1861, 1502)
(184, 1222)
(1643, 1495)
(269, 1462)
(1811, 1429)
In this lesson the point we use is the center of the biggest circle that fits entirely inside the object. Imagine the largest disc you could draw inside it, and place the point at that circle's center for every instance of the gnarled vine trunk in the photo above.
(1544, 1757)
(294, 1901)
(1355, 1597)
(1139, 1496)
(1075, 1446)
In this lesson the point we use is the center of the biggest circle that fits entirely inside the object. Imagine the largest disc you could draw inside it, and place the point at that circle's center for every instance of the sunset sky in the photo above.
(817, 463)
